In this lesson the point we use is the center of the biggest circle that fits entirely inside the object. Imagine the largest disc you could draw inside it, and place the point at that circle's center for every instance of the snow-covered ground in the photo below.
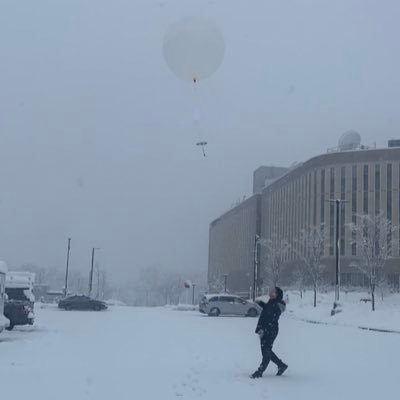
(161, 354)
(355, 312)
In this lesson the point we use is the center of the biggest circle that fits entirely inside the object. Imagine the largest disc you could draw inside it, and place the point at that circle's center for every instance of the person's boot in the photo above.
(281, 369)
(256, 375)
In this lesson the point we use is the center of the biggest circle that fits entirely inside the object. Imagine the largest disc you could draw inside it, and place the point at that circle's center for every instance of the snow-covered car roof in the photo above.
(3, 267)
(209, 296)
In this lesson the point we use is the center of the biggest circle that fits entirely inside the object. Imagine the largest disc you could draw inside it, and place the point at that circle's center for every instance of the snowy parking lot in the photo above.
(138, 353)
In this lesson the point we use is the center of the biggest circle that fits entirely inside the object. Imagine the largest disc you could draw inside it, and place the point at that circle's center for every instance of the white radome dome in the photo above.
(349, 140)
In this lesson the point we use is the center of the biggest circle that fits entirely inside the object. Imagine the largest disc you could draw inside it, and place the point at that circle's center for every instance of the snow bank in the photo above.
(185, 307)
(114, 302)
(356, 312)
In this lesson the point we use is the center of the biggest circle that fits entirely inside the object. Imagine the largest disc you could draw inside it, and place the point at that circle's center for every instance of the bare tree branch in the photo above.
(312, 242)
(273, 259)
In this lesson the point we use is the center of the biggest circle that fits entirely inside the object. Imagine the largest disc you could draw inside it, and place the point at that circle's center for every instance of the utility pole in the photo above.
(91, 271)
(225, 282)
(67, 269)
(337, 263)
(338, 203)
(255, 267)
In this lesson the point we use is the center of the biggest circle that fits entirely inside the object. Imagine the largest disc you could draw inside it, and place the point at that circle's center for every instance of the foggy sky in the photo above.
(96, 134)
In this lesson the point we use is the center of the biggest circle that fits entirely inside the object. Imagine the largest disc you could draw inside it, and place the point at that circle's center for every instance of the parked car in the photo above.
(19, 304)
(226, 304)
(79, 302)
(3, 270)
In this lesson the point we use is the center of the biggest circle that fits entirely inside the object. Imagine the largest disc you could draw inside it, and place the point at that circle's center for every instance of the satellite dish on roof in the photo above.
(349, 141)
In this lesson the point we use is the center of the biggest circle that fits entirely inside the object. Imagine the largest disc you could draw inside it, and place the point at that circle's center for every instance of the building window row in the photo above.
(366, 188)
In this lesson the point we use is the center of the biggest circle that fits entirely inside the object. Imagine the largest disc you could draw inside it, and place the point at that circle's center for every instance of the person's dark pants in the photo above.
(268, 355)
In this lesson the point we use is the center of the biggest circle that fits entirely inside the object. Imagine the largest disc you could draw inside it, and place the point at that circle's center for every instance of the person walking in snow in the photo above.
(267, 329)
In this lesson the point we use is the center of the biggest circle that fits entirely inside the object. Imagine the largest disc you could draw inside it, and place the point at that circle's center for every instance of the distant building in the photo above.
(368, 179)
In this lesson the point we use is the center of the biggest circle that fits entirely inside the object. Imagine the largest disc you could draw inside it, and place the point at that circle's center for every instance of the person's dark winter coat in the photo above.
(268, 328)
(271, 311)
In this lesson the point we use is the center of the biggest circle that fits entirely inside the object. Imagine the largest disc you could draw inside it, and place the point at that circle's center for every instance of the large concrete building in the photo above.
(264, 176)
(367, 179)
(231, 246)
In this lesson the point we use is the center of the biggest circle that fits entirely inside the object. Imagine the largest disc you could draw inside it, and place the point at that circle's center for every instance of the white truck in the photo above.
(19, 305)
(3, 272)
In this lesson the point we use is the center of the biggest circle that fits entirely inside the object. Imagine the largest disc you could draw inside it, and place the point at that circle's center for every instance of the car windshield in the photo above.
(196, 193)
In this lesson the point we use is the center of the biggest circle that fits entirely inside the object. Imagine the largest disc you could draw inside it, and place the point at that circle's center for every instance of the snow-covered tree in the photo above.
(216, 283)
(300, 277)
(158, 286)
(171, 286)
(312, 243)
(100, 284)
(274, 252)
(147, 287)
(77, 282)
(371, 236)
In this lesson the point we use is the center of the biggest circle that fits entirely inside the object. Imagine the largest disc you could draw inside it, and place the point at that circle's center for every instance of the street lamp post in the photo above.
(257, 240)
(91, 271)
(337, 263)
(67, 268)
(338, 203)
(225, 282)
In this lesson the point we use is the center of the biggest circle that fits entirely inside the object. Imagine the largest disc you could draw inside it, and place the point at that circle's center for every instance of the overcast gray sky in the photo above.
(96, 134)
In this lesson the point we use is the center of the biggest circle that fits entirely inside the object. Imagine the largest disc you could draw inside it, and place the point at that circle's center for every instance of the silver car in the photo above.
(227, 304)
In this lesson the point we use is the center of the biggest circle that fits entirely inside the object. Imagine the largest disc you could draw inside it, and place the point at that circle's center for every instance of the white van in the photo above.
(3, 272)
(228, 304)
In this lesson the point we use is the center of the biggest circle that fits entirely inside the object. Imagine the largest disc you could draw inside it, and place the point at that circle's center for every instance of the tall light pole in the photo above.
(225, 282)
(67, 268)
(338, 203)
(257, 240)
(91, 271)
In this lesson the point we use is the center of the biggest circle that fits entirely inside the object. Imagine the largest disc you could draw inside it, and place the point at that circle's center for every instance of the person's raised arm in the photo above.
(261, 303)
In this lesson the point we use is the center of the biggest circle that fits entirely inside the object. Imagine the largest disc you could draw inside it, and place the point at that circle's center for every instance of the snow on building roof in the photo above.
(3, 267)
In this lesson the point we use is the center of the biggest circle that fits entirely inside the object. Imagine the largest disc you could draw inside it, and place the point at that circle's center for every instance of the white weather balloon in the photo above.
(194, 48)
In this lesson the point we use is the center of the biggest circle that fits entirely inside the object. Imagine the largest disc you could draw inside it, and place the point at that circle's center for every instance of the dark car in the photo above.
(81, 303)
(18, 308)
